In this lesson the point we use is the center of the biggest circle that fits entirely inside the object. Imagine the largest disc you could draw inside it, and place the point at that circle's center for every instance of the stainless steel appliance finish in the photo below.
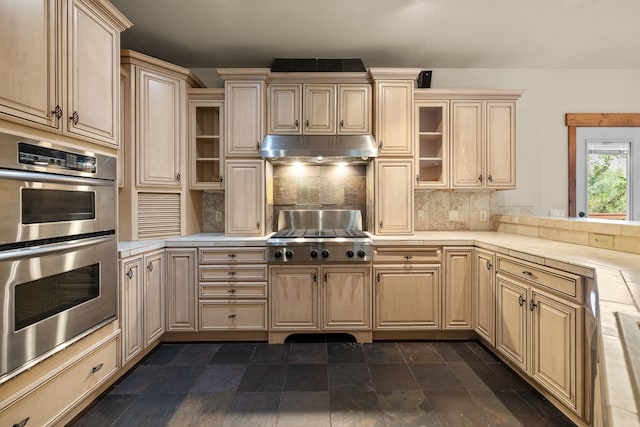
(319, 236)
(319, 149)
(49, 191)
(58, 264)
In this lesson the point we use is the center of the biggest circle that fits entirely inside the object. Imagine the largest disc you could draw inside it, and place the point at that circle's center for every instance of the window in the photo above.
(607, 172)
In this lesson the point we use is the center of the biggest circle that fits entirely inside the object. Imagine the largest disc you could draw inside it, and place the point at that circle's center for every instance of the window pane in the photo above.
(608, 179)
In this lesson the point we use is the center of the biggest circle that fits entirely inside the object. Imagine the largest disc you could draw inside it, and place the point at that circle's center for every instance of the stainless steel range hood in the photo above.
(319, 149)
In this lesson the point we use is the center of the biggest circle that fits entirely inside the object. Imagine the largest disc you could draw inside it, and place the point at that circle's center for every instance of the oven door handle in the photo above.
(28, 176)
(52, 248)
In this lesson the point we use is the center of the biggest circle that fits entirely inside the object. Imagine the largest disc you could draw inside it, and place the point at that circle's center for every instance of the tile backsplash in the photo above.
(443, 210)
(212, 203)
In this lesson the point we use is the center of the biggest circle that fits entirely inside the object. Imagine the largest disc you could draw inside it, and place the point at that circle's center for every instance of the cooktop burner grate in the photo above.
(316, 233)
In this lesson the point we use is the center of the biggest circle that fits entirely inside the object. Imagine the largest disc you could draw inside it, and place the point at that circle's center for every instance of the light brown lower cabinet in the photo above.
(312, 298)
(484, 295)
(541, 334)
(458, 288)
(181, 289)
(407, 297)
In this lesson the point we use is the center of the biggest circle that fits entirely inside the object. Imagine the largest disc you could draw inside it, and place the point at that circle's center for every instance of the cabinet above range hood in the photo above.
(319, 149)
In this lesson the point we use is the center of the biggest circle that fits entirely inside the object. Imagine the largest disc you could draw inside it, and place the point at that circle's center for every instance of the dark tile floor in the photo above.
(315, 382)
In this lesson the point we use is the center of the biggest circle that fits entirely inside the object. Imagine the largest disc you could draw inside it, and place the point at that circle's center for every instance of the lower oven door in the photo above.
(53, 293)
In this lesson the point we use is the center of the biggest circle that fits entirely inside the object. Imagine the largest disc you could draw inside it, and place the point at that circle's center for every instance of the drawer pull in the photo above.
(232, 316)
(22, 423)
(232, 291)
(96, 368)
(532, 305)
(527, 273)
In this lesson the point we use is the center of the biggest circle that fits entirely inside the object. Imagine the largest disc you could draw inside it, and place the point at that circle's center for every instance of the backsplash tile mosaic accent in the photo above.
(212, 203)
(319, 187)
(454, 211)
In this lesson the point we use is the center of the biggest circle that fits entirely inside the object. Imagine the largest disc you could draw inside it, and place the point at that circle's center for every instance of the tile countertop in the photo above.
(617, 275)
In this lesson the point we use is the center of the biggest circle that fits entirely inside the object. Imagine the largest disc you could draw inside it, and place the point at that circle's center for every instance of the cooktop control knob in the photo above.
(350, 253)
(361, 253)
(325, 253)
(277, 253)
(314, 253)
(288, 253)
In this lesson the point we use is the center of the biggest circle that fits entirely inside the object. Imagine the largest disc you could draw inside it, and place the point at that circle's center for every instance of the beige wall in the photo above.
(542, 135)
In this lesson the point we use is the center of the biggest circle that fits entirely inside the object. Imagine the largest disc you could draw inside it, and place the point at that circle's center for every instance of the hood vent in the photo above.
(319, 149)
(311, 65)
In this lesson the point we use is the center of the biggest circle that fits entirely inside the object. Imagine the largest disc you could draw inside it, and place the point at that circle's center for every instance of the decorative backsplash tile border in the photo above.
(454, 210)
(619, 236)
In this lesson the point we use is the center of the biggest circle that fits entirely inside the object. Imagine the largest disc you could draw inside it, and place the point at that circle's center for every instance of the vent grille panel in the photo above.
(158, 215)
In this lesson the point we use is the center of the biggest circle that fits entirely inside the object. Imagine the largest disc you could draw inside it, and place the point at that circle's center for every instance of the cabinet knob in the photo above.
(521, 300)
(480, 178)
(232, 316)
(341, 123)
(258, 145)
(150, 266)
(130, 274)
(221, 179)
(97, 368)
(297, 124)
(232, 291)
(75, 118)
(258, 225)
(532, 305)
(489, 265)
(418, 178)
(315, 278)
(178, 177)
(326, 277)
(380, 145)
(380, 224)
(378, 277)
(490, 178)
(57, 112)
(306, 123)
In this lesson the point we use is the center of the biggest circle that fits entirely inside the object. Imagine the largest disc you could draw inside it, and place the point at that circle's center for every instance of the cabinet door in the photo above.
(346, 297)
(407, 297)
(457, 289)
(244, 120)
(354, 109)
(154, 296)
(159, 119)
(93, 70)
(511, 319)
(554, 345)
(293, 298)
(205, 140)
(466, 144)
(320, 109)
(285, 109)
(394, 197)
(131, 308)
(29, 68)
(501, 144)
(394, 110)
(431, 134)
(484, 295)
(181, 289)
(245, 198)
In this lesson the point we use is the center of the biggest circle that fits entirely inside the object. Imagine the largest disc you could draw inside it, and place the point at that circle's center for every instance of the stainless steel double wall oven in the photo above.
(58, 265)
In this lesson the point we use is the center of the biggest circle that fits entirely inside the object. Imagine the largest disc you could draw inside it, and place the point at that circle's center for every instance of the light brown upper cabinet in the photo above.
(206, 152)
(431, 134)
(244, 118)
(245, 197)
(69, 81)
(394, 112)
(393, 196)
(483, 144)
(319, 109)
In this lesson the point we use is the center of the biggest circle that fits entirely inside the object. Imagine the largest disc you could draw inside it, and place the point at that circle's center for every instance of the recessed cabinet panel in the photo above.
(244, 118)
(245, 198)
(354, 109)
(154, 293)
(484, 295)
(458, 309)
(346, 297)
(285, 109)
(131, 307)
(501, 147)
(181, 289)
(394, 197)
(467, 144)
(512, 325)
(293, 298)
(320, 109)
(394, 111)
(159, 147)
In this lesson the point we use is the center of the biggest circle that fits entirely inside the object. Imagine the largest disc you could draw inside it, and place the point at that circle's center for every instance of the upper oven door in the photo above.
(41, 205)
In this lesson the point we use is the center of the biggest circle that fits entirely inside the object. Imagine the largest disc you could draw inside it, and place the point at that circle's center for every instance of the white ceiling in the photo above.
(388, 33)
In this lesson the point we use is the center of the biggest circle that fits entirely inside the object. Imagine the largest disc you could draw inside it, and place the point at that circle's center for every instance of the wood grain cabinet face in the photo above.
(354, 109)
(394, 117)
(346, 297)
(501, 144)
(71, 38)
(285, 109)
(319, 109)
(245, 198)
(181, 289)
(457, 289)
(293, 298)
(484, 295)
(154, 296)
(244, 118)
(431, 135)
(407, 297)
(131, 308)
(394, 196)
(206, 151)
(512, 322)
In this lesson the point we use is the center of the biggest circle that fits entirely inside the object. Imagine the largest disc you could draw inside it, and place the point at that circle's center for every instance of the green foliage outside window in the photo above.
(607, 185)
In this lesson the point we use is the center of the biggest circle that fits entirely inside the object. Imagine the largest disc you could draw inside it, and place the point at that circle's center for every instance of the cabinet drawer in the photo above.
(240, 315)
(247, 273)
(232, 256)
(233, 290)
(46, 403)
(407, 254)
(557, 280)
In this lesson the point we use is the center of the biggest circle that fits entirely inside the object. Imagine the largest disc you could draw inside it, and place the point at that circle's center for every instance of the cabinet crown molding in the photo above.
(132, 57)
(254, 74)
(120, 21)
(482, 94)
(320, 77)
(206, 94)
(394, 73)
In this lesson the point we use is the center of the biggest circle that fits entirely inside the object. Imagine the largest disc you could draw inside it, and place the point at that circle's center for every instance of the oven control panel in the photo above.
(57, 159)
(319, 252)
